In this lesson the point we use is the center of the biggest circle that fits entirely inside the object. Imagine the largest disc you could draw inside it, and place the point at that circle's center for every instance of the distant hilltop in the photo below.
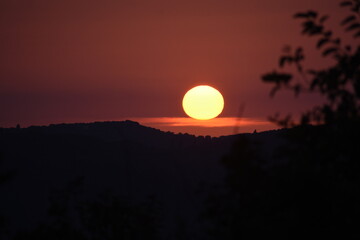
(95, 127)
(126, 131)
(122, 158)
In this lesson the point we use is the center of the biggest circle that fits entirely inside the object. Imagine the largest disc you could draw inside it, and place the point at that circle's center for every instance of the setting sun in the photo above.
(203, 102)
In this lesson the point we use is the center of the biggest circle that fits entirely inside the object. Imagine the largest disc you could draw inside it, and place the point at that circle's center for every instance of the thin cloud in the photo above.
(189, 122)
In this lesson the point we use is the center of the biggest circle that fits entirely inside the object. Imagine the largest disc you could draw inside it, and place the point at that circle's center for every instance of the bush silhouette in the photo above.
(338, 83)
(108, 216)
(311, 185)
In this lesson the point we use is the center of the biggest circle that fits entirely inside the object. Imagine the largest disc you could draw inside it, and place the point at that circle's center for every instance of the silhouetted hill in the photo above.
(124, 159)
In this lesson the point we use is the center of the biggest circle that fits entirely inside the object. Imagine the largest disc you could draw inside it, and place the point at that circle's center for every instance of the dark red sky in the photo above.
(110, 59)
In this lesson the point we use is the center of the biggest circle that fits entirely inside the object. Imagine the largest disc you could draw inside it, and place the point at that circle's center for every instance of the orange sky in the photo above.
(87, 59)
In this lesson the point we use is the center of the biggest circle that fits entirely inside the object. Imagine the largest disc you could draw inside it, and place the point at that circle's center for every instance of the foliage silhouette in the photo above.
(106, 217)
(4, 177)
(172, 167)
(311, 186)
(114, 218)
(339, 83)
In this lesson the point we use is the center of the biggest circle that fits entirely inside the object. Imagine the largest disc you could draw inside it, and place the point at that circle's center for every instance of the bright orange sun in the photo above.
(203, 102)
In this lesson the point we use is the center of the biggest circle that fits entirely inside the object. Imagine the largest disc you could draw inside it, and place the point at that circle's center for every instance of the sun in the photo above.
(203, 102)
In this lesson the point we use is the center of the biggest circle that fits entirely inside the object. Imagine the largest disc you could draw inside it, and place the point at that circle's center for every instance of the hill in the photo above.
(123, 159)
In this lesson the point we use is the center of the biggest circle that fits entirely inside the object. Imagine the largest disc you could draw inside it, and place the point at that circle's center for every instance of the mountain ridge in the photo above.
(125, 158)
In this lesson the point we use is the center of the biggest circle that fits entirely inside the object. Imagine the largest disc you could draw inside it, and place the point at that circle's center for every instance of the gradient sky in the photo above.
(85, 60)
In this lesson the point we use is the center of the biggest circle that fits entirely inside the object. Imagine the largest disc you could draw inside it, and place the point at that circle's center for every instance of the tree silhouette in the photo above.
(108, 216)
(338, 83)
(111, 217)
(4, 177)
(312, 185)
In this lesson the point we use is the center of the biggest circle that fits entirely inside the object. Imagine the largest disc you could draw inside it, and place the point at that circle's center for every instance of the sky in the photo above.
(87, 60)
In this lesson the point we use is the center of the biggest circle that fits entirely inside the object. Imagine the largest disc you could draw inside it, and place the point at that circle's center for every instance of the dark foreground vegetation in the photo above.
(126, 181)
(312, 190)
(105, 180)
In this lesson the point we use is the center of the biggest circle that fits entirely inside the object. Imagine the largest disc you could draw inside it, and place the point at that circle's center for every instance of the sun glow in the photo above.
(203, 102)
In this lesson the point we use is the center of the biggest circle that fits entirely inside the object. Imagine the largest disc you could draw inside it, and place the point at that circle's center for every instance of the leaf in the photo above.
(345, 3)
(299, 54)
(323, 19)
(312, 14)
(357, 34)
(277, 77)
(274, 90)
(353, 26)
(328, 34)
(356, 7)
(309, 14)
(329, 51)
(348, 19)
(322, 41)
(286, 121)
(305, 119)
(316, 30)
(299, 51)
(285, 59)
(301, 15)
(308, 24)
